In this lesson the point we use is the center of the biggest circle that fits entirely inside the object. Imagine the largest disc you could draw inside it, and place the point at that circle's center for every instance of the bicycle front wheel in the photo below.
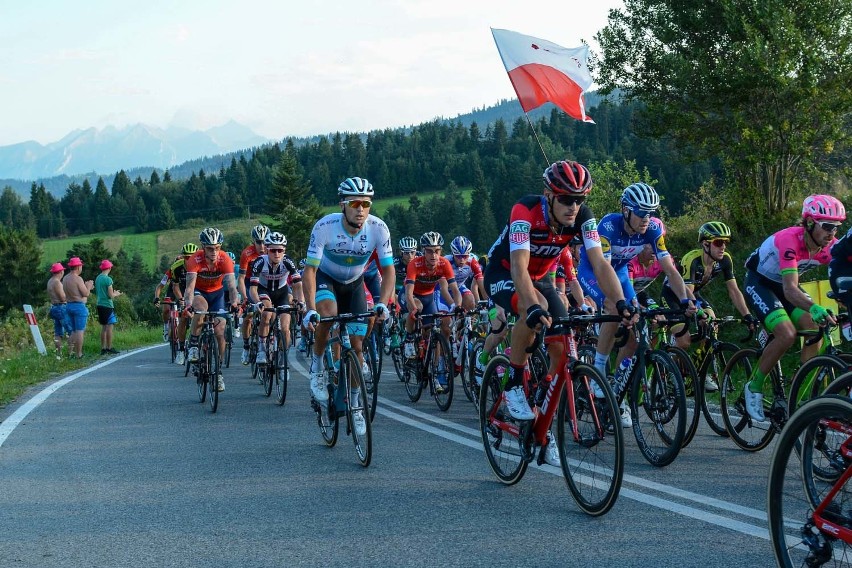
(371, 378)
(591, 441)
(812, 378)
(747, 433)
(412, 371)
(359, 423)
(794, 494)
(694, 390)
(212, 364)
(714, 368)
(658, 406)
(282, 374)
(440, 362)
(470, 377)
(500, 432)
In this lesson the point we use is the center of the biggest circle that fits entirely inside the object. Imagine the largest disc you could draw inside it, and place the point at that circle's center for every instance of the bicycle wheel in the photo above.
(200, 380)
(472, 378)
(327, 418)
(714, 367)
(371, 378)
(282, 373)
(212, 364)
(253, 347)
(267, 372)
(797, 539)
(412, 372)
(658, 406)
(440, 361)
(229, 340)
(499, 430)
(812, 378)
(357, 409)
(693, 388)
(173, 344)
(747, 433)
(396, 357)
(591, 441)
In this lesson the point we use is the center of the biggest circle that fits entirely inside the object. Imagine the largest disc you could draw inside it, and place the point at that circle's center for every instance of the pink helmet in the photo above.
(823, 208)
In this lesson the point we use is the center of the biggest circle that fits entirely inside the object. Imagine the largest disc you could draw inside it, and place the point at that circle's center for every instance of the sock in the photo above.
(516, 376)
(316, 363)
(758, 378)
(600, 362)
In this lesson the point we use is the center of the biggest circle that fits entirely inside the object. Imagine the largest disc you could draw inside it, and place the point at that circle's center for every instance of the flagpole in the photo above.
(543, 153)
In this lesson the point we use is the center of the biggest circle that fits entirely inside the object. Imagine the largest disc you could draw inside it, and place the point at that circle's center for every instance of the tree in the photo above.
(22, 253)
(291, 204)
(481, 226)
(763, 84)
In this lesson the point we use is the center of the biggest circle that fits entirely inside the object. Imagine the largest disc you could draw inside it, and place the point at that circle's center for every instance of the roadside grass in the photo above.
(21, 366)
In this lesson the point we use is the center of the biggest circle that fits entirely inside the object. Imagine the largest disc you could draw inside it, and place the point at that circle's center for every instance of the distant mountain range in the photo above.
(112, 149)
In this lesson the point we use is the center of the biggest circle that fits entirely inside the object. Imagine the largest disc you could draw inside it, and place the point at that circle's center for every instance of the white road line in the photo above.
(8, 426)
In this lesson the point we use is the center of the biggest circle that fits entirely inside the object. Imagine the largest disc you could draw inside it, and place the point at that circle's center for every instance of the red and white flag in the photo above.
(542, 71)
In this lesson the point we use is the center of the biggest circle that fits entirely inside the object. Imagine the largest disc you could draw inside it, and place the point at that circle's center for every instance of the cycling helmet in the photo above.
(713, 230)
(568, 178)
(355, 187)
(640, 196)
(211, 236)
(407, 244)
(189, 248)
(259, 232)
(275, 238)
(303, 262)
(431, 239)
(461, 246)
(232, 256)
(823, 208)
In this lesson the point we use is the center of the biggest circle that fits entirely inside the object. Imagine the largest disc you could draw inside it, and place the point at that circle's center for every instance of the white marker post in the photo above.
(28, 312)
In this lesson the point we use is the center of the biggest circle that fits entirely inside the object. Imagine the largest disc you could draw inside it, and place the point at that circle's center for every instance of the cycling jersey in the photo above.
(619, 247)
(342, 256)
(563, 267)
(643, 276)
(209, 279)
(694, 272)
(529, 229)
(400, 268)
(467, 272)
(785, 252)
(841, 261)
(177, 274)
(271, 278)
(425, 279)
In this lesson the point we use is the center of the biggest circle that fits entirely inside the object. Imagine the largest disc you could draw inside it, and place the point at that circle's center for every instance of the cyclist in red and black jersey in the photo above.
(539, 227)
(247, 257)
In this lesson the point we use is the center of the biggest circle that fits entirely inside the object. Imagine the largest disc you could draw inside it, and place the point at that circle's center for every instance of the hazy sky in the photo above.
(282, 67)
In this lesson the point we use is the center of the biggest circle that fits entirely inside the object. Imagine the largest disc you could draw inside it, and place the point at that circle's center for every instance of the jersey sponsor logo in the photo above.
(757, 300)
(608, 226)
(590, 225)
(540, 235)
(789, 254)
(591, 235)
(520, 227)
(547, 251)
(519, 238)
(605, 246)
(661, 243)
(501, 285)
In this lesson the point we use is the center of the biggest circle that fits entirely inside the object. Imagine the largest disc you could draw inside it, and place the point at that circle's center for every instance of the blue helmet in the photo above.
(461, 246)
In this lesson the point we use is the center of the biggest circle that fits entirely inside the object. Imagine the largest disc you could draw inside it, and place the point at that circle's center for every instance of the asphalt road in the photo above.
(121, 466)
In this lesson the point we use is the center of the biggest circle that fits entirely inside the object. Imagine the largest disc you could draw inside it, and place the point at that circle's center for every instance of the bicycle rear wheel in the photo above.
(371, 378)
(396, 357)
(591, 441)
(812, 378)
(282, 374)
(357, 408)
(471, 378)
(793, 494)
(229, 340)
(746, 432)
(212, 364)
(412, 371)
(658, 406)
(499, 430)
(173, 344)
(267, 372)
(440, 361)
(693, 388)
(714, 367)
(327, 417)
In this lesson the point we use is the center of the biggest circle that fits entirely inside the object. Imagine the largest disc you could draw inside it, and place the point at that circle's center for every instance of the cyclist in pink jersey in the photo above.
(773, 292)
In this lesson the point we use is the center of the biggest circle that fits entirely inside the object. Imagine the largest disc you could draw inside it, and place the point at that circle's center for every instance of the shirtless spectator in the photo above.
(76, 294)
(58, 313)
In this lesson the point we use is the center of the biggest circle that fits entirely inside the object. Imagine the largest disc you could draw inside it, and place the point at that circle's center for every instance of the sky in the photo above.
(281, 67)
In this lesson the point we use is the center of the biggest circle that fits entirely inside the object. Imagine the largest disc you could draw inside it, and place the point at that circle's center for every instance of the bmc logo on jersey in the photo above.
(501, 285)
(545, 250)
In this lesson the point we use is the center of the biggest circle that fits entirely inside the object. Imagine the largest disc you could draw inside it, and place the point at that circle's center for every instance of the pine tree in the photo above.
(292, 205)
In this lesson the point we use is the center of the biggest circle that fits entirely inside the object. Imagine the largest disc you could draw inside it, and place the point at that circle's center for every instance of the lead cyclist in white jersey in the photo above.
(333, 279)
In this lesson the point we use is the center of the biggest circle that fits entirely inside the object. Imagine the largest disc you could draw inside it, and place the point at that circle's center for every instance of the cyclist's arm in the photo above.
(190, 286)
(678, 286)
(298, 292)
(736, 296)
(790, 283)
(605, 275)
(228, 280)
(309, 286)
(409, 295)
(386, 290)
(158, 290)
(519, 268)
(252, 294)
(576, 291)
(454, 290)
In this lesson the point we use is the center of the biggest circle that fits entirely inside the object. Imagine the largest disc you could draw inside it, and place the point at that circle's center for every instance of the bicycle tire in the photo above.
(745, 432)
(412, 371)
(213, 373)
(440, 359)
(353, 379)
(658, 408)
(789, 508)
(502, 447)
(396, 357)
(253, 348)
(470, 385)
(229, 340)
(812, 378)
(714, 366)
(592, 460)
(371, 379)
(842, 385)
(282, 373)
(200, 381)
(172, 342)
(693, 389)
(328, 421)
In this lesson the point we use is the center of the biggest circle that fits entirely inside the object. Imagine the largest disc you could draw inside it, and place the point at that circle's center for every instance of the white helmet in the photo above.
(431, 239)
(355, 187)
(640, 196)
(259, 232)
(211, 236)
(275, 239)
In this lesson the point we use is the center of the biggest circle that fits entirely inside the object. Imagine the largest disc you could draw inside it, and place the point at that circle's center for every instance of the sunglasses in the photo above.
(719, 243)
(462, 256)
(435, 250)
(275, 251)
(643, 213)
(569, 200)
(829, 227)
(357, 203)
(258, 243)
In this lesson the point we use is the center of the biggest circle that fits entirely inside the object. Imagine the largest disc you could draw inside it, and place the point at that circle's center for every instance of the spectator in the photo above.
(76, 294)
(106, 308)
(58, 312)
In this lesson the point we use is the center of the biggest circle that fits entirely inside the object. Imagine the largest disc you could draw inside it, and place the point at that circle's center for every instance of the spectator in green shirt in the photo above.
(106, 309)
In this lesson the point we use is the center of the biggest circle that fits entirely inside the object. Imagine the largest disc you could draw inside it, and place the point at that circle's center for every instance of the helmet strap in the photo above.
(346, 220)
(550, 203)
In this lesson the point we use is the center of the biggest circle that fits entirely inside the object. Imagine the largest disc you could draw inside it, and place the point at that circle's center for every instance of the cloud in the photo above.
(182, 34)
(70, 55)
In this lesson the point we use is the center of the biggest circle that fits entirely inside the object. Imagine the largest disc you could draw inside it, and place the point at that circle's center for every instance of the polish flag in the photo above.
(542, 72)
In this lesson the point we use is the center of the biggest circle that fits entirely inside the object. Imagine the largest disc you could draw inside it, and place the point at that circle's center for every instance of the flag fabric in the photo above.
(542, 71)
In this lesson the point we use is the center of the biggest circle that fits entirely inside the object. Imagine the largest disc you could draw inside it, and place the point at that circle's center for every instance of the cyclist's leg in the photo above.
(554, 305)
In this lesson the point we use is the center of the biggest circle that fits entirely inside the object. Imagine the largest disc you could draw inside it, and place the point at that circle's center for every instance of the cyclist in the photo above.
(840, 269)
(333, 280)
(467, 271)
(643, 270)
(699, 267)
(539, 228)
(208, 272)
(177, 286)
(271, 275)
(247, 256)
(773, 291)
(622, 236)
(424, 276)
(407, 252)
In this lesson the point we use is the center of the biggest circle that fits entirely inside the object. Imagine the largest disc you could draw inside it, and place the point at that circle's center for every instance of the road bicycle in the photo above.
(208, 367)
(276, 371)
(808, 492)
(173, 323)
(229, 337)
(254, 342)
(346, 390)
(588, 429)
(464, 336)
(373, 356)
(431, 365)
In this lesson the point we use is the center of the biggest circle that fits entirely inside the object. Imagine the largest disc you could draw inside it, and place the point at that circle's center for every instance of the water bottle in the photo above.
(623, 373)
(541, 391)
(410, 350)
